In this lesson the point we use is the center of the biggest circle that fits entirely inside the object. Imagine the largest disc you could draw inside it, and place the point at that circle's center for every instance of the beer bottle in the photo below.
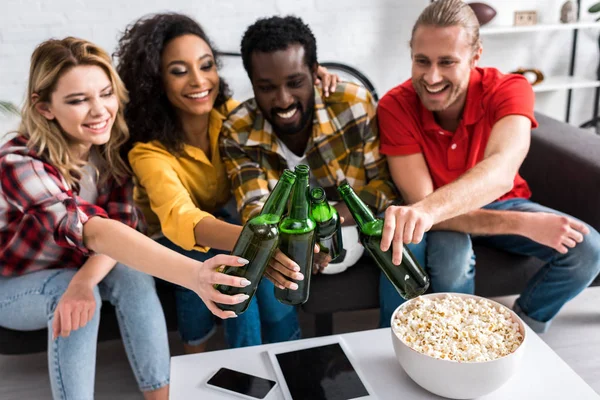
(329, 235)
(298, 235)
(409, 278)
(257, 243)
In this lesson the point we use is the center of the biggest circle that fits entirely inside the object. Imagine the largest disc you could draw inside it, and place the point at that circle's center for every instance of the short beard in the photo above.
(307, 117)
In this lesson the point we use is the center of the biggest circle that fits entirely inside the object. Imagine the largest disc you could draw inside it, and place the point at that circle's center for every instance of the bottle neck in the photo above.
(321, 211)
(359, 210)
(277, 200)
(299, 207)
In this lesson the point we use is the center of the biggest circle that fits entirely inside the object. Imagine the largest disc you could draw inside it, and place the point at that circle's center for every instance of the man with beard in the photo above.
(455, 136)
(291, 122)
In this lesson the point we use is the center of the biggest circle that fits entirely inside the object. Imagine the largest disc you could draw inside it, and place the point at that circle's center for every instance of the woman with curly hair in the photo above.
(67, 223)
(178, 104)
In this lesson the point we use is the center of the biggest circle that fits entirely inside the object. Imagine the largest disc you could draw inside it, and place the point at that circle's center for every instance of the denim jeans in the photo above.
(265, 315)
(389, 298)
(28, 302)
(451, 265)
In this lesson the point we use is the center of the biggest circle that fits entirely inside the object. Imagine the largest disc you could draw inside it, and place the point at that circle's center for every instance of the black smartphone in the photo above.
(242, 384)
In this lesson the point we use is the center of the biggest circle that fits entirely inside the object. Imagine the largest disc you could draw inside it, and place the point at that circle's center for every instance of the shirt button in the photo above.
(453, 146)
(441, 132)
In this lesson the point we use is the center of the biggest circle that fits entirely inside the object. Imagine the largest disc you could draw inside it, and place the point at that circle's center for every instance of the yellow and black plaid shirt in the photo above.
(344, 145)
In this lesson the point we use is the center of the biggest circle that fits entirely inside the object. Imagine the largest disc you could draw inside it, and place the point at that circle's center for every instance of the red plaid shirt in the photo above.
(41, 219)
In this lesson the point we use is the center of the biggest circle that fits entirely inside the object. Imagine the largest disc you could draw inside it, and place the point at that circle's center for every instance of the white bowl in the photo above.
(458, 380)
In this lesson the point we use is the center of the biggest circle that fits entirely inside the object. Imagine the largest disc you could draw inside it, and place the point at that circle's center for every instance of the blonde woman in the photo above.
(66, 225)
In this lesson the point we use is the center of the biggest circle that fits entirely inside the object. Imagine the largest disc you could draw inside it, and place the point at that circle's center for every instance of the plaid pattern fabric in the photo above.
(344, 145)
(41, 220)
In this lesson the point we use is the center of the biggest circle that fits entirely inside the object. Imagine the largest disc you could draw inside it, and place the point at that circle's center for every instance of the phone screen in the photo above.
(241, 383)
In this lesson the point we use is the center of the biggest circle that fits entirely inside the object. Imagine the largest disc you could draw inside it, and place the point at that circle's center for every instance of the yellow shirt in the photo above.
(175, 193)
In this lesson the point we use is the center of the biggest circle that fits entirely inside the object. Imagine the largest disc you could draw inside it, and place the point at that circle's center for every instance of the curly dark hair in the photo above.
(276, 33)
(149, 114)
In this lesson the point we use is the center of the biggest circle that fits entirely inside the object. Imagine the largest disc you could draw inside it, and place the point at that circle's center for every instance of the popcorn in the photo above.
(457, 329)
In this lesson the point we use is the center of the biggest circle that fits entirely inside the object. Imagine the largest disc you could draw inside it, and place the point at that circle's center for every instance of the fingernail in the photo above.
(296, 267)
(242, 297)
(298, 276)
(245, 282)
(242, 261)
(293, 286)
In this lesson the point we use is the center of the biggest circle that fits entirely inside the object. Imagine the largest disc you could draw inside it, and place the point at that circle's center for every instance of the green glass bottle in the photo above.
(298, 236)
(257, 243)
(409, 278)
(329, 234)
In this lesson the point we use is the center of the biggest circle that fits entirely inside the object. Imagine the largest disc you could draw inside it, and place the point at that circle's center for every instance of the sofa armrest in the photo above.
(563, 169)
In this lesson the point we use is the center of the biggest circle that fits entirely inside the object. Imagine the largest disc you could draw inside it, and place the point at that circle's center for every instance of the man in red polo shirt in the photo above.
(455, 136)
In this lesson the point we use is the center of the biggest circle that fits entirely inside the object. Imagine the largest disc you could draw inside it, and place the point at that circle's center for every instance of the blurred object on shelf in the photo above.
(533, 75)
(483, 12)
(568, 12)
(525, 18)
(594, 9)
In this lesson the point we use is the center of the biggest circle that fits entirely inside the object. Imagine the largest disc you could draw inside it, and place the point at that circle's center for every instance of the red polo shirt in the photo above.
(407, 127)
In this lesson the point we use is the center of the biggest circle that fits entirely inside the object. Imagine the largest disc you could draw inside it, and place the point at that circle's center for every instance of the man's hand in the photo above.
(346, 218)
(281, 268)
(556, 231)
(320, 261)
(403, 225)
(75, 309)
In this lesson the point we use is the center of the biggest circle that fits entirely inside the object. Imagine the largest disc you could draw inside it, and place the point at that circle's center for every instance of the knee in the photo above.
(587, 255)
(450, 262)
(449, 248)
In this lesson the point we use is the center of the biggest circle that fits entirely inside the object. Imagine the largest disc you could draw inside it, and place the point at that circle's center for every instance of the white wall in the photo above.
(371, 35)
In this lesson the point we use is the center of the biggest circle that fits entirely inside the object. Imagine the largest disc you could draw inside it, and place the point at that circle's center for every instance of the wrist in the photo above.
(82, 282)
(523, 223)
(424, 208)
(192, 277)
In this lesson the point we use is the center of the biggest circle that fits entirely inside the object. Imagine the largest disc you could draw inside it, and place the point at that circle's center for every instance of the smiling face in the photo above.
(284, 88)
(442, 59)
(189, 74)
(84, 105)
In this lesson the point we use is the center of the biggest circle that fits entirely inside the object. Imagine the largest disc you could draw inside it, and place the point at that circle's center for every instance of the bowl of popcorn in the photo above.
(458, 346)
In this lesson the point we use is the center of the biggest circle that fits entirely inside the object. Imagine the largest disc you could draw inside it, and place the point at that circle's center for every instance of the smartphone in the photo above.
(239, 383)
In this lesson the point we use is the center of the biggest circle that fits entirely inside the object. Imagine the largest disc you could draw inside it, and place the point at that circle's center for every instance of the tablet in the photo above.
(306, 371)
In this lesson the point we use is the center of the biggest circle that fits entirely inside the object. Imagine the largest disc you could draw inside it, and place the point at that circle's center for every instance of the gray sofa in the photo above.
(563, 170)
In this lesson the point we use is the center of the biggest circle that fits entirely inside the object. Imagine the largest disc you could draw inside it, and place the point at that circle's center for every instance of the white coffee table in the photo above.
(543, 374)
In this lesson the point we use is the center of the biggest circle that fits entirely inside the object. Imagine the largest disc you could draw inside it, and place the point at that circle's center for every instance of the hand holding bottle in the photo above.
(282, 270)
(208, 275)
(403, 225)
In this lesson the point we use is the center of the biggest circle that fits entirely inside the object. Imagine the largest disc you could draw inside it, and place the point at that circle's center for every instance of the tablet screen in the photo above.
(320, 373)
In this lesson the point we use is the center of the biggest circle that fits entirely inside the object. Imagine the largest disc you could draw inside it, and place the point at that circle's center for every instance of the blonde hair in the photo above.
(49, 61)
(445, 13)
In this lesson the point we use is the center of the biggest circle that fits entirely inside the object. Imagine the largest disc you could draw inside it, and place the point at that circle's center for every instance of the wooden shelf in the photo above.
(564, 82)
(494, 30)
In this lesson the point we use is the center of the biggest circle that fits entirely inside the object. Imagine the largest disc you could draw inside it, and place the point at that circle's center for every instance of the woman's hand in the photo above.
(328, 81)
(75, 309)
(281, 269)
(208, 275)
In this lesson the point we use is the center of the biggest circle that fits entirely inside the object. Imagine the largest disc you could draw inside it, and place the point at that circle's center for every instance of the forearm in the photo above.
(479, 186)
(486, 222)
(212, 232)
(94, 270)
(137, 251)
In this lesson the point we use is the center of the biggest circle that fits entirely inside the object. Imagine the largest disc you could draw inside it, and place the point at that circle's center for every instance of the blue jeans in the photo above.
(451, 265)
(389, 298)
(265, 315)
(28, 302)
